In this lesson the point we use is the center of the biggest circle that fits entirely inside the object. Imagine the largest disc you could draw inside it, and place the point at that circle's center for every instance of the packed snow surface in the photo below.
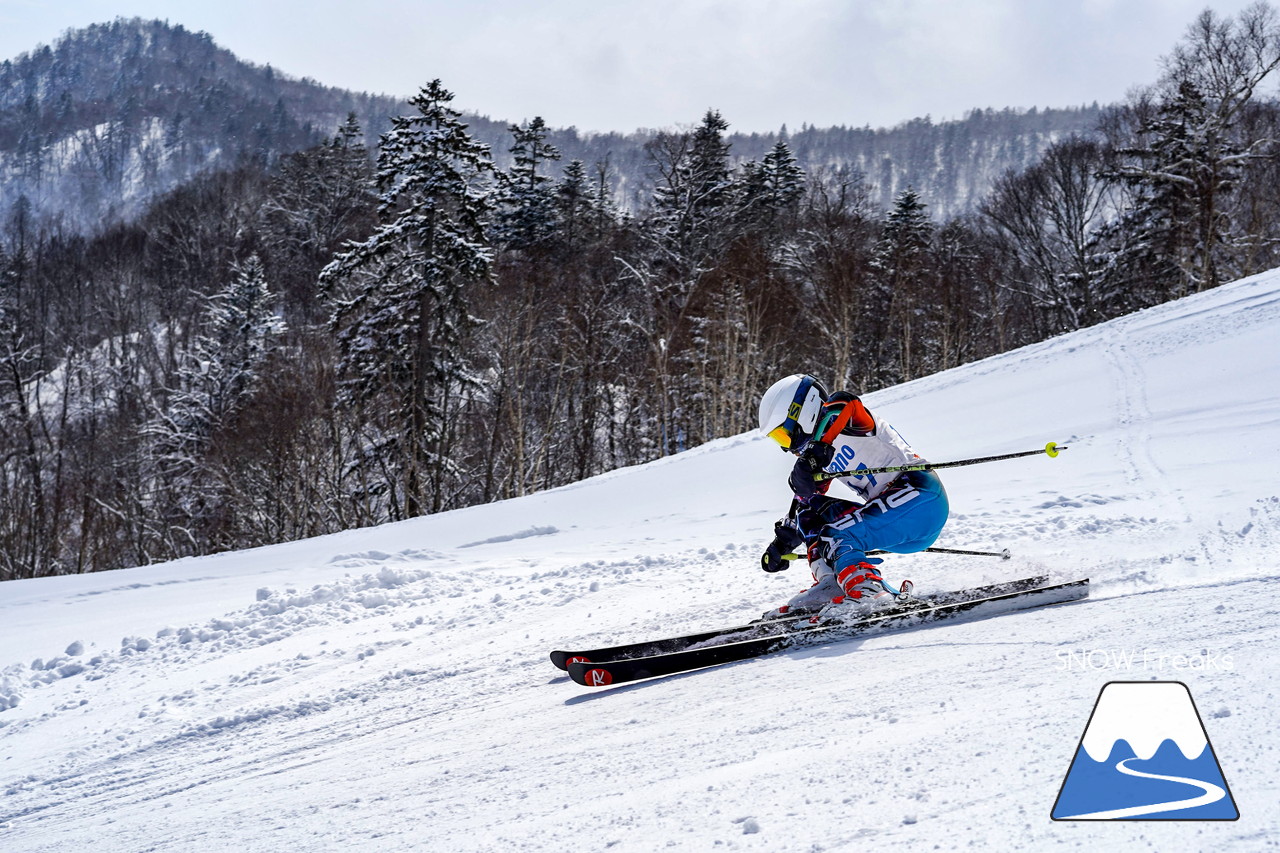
(389, 688)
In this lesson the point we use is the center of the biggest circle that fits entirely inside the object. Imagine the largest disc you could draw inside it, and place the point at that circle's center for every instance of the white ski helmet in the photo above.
(789, 409)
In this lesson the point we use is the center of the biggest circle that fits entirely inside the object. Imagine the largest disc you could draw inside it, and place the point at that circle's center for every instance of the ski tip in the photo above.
(1053, 449)
(590, 676)
(1004, 554)
(562, 659)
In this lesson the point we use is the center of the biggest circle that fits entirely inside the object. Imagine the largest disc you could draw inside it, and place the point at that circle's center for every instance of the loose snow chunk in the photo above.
(10, 688)
(130, 645)
(389, 578)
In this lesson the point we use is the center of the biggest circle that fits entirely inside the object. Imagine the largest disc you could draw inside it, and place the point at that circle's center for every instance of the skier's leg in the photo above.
(904, 519)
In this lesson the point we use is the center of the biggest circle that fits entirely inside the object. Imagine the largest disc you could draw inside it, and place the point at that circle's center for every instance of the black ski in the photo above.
(632, 669)
(774, 627)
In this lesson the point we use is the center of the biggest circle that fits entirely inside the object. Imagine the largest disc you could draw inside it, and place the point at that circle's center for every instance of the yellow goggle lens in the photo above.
(781, 436)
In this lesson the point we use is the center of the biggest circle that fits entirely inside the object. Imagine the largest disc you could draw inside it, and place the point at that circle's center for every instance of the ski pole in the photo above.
(1051, 449)
(1002, 554)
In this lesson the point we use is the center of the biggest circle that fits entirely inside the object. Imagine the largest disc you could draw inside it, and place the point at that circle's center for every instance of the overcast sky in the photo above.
(611, 65)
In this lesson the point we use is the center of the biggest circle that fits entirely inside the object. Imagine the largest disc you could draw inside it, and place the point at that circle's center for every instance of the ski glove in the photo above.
(813, 458)
(785, 541)
(772, 561)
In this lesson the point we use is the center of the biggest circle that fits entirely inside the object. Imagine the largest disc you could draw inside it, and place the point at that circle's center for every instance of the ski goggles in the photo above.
(781, 435)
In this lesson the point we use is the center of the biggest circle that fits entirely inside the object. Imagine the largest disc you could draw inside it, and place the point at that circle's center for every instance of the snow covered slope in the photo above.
(389, 688)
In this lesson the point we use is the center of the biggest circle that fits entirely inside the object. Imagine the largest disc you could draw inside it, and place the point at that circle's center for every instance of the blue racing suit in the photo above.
(901, 513)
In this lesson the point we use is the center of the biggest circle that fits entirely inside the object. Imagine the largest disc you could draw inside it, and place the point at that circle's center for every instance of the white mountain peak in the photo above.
(1144, 713)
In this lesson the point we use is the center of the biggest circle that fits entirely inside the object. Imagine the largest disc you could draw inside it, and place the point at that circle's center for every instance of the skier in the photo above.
(901, 512)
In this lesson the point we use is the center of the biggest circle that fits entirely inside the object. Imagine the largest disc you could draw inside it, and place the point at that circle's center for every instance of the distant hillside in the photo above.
(113, 114)
(951, 164)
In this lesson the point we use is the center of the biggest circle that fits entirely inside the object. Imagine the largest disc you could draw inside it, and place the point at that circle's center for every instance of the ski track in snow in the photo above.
(389, 689)
(1133, 416)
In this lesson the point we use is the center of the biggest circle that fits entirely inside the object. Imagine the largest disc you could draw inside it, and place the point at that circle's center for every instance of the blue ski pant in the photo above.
(906, 517)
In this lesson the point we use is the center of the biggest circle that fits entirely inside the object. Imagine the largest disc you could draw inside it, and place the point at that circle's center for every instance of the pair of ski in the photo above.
(630, 662)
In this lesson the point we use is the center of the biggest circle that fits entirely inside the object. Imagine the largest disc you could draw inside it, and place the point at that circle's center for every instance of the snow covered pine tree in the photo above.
(401, 311)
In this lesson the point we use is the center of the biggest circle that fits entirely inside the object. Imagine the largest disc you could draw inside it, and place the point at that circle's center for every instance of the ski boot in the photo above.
(823, 591)
(863, 581)
(811, 600)
(865, 592)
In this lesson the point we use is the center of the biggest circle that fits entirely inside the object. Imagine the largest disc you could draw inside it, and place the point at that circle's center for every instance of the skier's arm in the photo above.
(815, 456)
(843, 414)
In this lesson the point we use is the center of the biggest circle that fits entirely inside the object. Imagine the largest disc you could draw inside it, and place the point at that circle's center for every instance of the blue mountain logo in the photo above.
(1145, 755)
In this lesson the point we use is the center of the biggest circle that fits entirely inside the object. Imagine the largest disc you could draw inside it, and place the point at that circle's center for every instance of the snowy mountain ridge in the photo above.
(388, 688)
(113, 115)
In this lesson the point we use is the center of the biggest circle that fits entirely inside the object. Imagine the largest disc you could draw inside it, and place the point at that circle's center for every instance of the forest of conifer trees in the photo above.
(352, 335)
